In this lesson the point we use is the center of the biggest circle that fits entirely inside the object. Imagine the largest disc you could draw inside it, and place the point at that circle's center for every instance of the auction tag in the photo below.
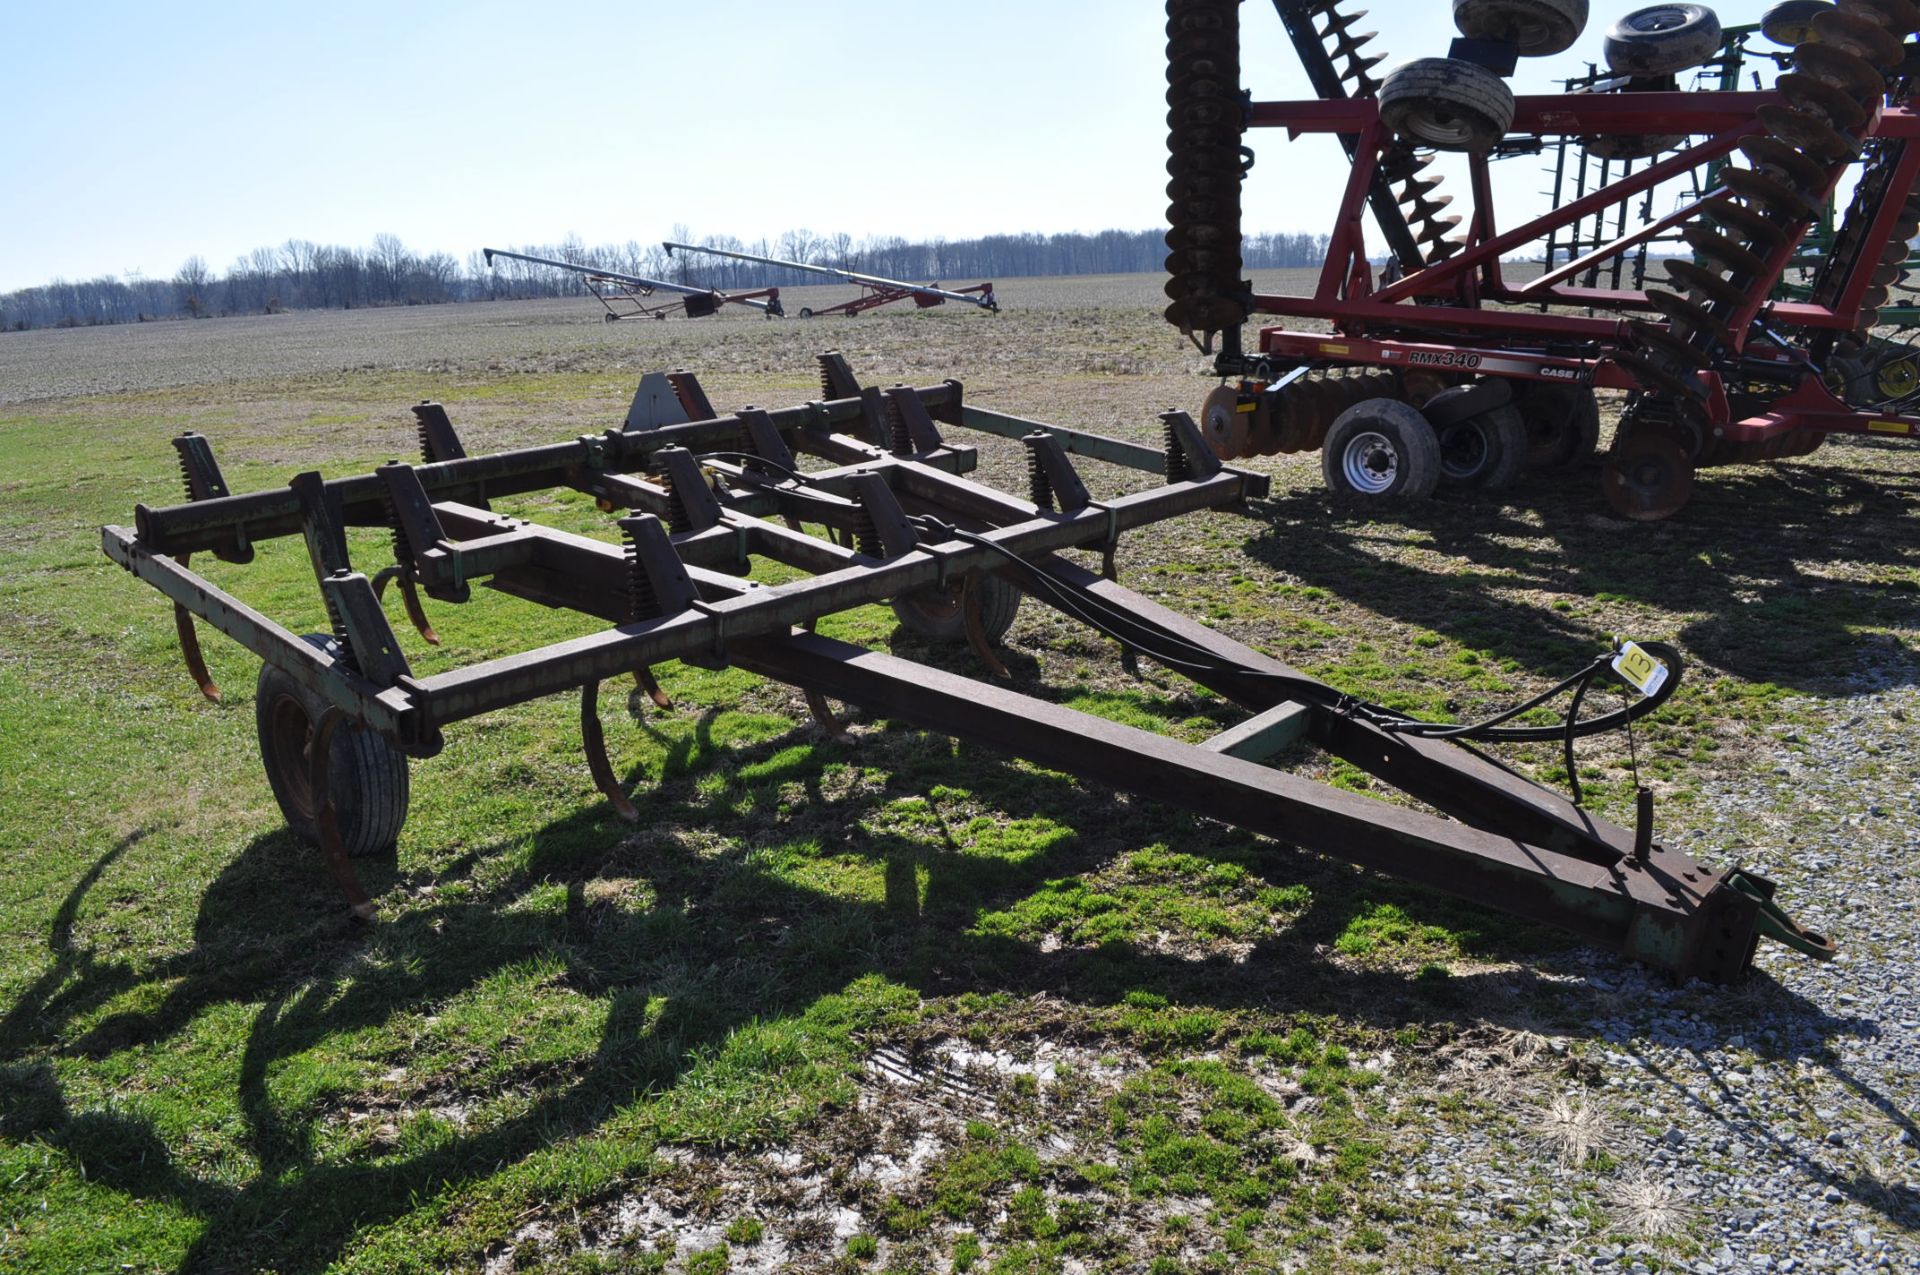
(1641, 671)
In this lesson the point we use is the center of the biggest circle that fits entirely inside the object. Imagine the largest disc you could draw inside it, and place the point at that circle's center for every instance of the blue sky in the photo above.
(142, 134)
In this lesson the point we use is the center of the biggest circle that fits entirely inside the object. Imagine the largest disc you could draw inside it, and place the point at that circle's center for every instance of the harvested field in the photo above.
(892, 1003)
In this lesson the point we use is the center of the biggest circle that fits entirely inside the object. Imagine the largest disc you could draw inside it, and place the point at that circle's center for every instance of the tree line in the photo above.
(301, 275)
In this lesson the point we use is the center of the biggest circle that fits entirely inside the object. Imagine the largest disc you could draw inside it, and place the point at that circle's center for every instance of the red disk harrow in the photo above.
(1440, 367)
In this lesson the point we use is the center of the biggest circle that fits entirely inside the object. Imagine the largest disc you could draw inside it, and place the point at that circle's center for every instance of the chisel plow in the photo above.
(1439, 365)
(863, 495)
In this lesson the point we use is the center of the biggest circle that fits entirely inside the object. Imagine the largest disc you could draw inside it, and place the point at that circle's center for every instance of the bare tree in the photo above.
(190, 286)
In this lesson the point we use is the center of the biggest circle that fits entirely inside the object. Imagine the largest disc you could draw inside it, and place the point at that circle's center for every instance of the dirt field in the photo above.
(893, 1003)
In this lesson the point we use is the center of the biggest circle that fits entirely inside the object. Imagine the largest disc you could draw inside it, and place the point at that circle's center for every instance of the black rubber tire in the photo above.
(1482, 439)
(1539, 28)
(1381, 449)
(1662, 39)
(806, 312)
(366, 776)
(937, 616)
(1458, 402)
(1446, 104)
(1791, 21)
(1562, 423)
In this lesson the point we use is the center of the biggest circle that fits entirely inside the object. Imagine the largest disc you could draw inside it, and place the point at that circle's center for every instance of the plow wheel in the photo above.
(1791, 21)
(366, 777)
(1649, 474)
(1381, 450)
(940, 614)
(1224, 425)
(1486, 451)
(1562, 423)
(1447, 104)
(1539, 28)
(1662, 39)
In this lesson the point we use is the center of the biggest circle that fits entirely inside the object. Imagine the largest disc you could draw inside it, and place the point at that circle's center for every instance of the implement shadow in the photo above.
(1776, 568)
(751, 932)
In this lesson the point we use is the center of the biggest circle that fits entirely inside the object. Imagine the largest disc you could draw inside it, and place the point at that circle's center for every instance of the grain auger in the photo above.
(1440, 368)
(861, 497)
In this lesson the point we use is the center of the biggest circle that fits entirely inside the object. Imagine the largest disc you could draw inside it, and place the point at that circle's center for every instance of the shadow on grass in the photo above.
(732, 938)
(1782, 564)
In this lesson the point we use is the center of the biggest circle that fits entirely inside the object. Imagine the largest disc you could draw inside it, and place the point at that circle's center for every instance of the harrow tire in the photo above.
(939, 616)
(1662, 39)
(1539, 28)
(366, 776)
(806, 312)
(1481, 436)
(1458, 402)
(1563, 425)
(1447, 105)
(1791, 21)
(1380, 450)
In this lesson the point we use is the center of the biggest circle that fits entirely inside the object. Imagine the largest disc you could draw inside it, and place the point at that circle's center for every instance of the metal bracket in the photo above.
(764, 438)
(686, 387)
(438, 441)
(412, 510)
(1189, 459)
(691, 497)
(873, 414)
(836, 377)
(951, 411)
(659, 584)
(655, 403)
(204, 482)
(1051, 470)
(889, 519)
(372, 646)
(199, 468)
(322, 524)
(913, 429)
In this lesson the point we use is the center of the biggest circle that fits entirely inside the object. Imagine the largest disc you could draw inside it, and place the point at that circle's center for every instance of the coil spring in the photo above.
(1039, 486)
(677, 518)
(1175, 452)
(865, 535)
(642, 602)
(402, 543)
(901, 437)
(1840, 73)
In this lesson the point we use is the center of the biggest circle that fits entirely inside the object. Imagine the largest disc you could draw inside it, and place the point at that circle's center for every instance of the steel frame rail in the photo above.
(908, 520)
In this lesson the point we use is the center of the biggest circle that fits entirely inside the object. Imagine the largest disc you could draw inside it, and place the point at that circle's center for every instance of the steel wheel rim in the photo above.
(1662, 19)
(1441, 130)
(1463, 450)
(1370, 463)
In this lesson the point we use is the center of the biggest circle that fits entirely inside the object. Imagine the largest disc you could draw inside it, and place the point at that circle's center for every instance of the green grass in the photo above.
(203, 1068)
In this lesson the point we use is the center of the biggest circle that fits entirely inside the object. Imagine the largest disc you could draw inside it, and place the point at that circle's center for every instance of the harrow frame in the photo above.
(706, 496)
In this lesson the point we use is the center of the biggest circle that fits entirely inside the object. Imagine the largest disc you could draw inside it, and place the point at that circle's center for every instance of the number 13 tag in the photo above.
(1638, 669)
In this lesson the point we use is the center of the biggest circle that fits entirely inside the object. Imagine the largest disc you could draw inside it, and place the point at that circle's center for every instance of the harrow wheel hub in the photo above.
(1370, 463)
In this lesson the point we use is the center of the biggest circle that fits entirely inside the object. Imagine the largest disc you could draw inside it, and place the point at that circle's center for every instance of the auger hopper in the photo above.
(863, 495)
(1442, 367)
